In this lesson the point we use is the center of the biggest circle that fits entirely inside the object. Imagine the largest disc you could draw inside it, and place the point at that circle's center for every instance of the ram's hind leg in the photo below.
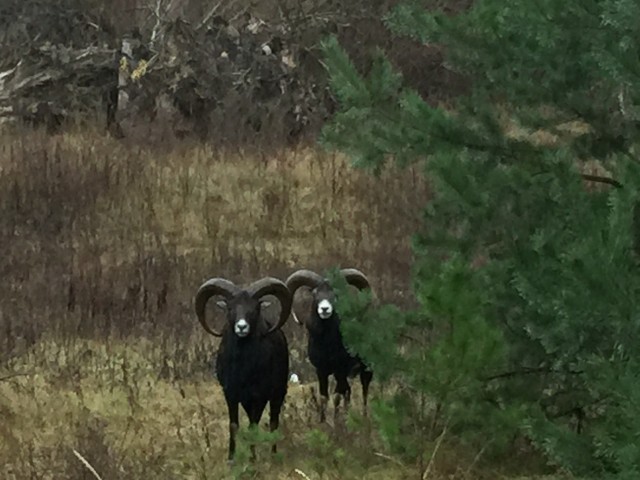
(343, 390)
(255, 414)
(274, 418)
(366, 376)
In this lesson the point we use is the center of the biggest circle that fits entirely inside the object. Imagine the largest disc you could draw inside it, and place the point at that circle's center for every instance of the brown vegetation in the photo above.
(236, 73)
(103, 247)
(105, 241)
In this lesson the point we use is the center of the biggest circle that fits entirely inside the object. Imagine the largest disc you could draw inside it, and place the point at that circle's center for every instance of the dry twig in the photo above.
(86, 464)
(425, 475)
(302, 474)
(14, 375)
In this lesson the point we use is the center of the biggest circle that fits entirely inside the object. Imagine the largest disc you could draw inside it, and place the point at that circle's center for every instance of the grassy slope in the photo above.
(104, 246)
(112, 407)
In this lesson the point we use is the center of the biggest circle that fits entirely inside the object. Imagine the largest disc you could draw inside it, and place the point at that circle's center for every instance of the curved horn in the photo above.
(356, 278)
(277, 288)
(302, 278)
(214, 286)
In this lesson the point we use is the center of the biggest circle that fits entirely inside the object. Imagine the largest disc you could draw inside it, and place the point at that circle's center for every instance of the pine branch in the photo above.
(581, 407)
(530, 371)
(599, 179)
(593, 178)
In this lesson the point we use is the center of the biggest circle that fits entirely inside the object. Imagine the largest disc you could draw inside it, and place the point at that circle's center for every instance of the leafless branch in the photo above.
(86, 464)
(302, 474)
(387, 457)
(209, 15)
(425, 475)
(599, 179)
(160, 14)
(14, 375)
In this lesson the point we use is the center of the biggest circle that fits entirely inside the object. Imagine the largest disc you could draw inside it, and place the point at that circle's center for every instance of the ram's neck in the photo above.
(320, 327)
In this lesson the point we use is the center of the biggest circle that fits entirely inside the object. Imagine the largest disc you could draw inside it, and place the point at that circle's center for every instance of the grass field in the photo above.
(104, 244)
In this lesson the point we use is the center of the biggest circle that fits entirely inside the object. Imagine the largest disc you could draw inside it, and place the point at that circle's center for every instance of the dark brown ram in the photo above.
(252, 362)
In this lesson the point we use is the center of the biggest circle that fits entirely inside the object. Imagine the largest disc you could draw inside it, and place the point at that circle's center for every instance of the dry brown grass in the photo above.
(103, 246)
(127, 411)
(113, 405)
(114, 239)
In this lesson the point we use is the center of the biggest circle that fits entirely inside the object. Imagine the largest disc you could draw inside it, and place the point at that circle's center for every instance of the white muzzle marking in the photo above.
(325, 309)
(241, 328)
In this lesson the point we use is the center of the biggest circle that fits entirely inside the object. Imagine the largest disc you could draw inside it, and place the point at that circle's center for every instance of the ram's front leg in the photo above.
(323, 386)
(342, 390)
(233, 428)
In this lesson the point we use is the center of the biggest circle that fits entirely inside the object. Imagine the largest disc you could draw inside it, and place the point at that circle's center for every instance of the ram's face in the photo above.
(242, 312)
(324, 300)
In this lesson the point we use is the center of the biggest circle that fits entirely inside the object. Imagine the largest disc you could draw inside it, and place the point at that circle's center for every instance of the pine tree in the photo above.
(541, 338)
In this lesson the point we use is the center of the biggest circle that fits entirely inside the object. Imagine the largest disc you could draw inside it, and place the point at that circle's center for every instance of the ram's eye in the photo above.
(222, 305)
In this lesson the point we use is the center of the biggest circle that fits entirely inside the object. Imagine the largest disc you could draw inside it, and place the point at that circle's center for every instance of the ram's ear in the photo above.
(265, 303)
(221, 304)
